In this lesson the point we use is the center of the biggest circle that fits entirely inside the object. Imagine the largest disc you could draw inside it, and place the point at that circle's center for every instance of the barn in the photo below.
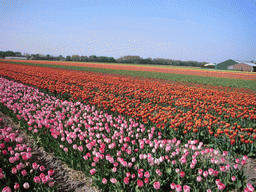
(237, 65)
(244, 66)
(225, 64)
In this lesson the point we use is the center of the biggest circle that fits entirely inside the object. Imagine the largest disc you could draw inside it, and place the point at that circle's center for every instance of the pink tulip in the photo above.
(51, 184)
(140, 174)
(243, 162)
(178, 188)
(7, 189)
(222, 168)
(41, 168)
(35, 166)
(199, 179)
(24, 172)
(221, 186)
(182, 174)
(126, 180)
(2, 175)
(26, 185)
(80, 148)
(104, 181)
(113, 180)
(140, 183)
(186, 188)
(217, 181)
(50, 172)
(114, 169)
(4, 152)
(146, 180)
(216, 173)
(44, 180)
(147, 174)
(36, 179)
(156, 185)
(16, 186)
(173, 186)
(250, 187)
(93, 171)
(205, 174)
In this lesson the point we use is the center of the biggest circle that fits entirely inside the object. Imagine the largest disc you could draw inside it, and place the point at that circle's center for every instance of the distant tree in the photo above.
(35, 56)
(9, 53)
(61, 58)
(84, 58)
(75, 58)
(26, 55)
(93, 58)
(17, 54)
(68, 58)
(102, 59)
(2, 53)
(48, 57)
(112, 60)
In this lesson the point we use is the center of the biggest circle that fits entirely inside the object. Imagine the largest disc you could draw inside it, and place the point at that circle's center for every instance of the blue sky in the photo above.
(198, 30)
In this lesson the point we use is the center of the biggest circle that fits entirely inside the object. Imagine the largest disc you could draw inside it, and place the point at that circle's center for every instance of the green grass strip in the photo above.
(216, 81)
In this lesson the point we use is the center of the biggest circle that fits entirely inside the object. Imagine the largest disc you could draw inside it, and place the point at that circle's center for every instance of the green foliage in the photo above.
(68, 58)
(75, 58)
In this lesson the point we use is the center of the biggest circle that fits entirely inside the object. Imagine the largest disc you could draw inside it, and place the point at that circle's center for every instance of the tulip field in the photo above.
(235, 79)
(128, 133)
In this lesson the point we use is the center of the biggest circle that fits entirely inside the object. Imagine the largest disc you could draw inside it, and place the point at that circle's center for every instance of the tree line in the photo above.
(104, 59)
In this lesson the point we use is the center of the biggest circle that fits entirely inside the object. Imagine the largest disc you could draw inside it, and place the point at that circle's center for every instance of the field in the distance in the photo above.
(244, 80)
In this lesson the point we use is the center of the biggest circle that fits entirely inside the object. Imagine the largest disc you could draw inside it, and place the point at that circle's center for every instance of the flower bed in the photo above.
(223, 118)
(17, 172)
(119, 153)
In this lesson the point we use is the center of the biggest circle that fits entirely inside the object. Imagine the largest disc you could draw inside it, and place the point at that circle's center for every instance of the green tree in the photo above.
(26, 55)
(68, 58)
(84, 58)
(75, 58)
(9, 53)
(48, 57)
(61, 58)
(93, 58)
(103, 59)
(111, 60)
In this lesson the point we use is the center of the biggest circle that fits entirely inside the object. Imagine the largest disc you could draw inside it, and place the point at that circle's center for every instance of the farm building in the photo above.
(225, 64)
(244, 66)
(237, 65)
(17, 58)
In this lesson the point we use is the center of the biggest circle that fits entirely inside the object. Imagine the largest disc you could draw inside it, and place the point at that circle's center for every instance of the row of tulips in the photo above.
(17, 171)
(207, 73)
(119, 154)
(212, 116)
